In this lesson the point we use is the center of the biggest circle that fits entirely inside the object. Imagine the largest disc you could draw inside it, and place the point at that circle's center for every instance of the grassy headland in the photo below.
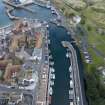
(92, 13)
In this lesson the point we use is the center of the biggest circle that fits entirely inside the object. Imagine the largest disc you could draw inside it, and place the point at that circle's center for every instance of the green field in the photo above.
(93, 19)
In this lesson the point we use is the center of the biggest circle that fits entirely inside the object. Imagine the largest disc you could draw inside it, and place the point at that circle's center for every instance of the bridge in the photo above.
(78, 93)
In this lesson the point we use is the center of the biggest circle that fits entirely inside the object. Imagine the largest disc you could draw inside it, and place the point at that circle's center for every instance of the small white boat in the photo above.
(48, 41)
(53, 12)
(78, 99)
(47, 26)
(71, 94)
(44, 22)
(49, 51)
(52, 76)
(58, 24)
(52, 69)
(52, 8)
(71, 91)
(51, 83)
(68, 32)
(70, 69)
(71, 75)
(50, 57)
(48, 6)
(50, 91)
(71, 83)
(67, 55)
(51, 63)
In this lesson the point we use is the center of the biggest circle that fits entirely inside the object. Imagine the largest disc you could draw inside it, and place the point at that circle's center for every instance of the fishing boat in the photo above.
(51, 83)
(50, 91)
(71, 84)
(50, 57)
(67, 55)
(71, 75)
(71, 94)
(51, 63)
(70, 69)
(47, 26)
(52, 76)
(68, 32)
(52, 69)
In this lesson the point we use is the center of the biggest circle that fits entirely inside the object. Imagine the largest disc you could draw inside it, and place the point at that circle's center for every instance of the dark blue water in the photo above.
(4, 20)
(40, 13)
(61, 88)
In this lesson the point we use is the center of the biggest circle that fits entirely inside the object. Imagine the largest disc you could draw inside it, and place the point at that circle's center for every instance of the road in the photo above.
(42, 95)
(78, 95)
(10, 90)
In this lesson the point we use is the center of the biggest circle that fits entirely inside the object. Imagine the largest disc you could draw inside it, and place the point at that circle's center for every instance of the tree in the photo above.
(82, 21)
(89, 28)
(63, 9)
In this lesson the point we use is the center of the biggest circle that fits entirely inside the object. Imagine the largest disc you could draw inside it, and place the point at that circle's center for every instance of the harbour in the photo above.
(59, 93)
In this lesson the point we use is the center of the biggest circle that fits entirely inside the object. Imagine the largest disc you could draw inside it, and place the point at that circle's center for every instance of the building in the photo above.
(37, 54)
(3, 100)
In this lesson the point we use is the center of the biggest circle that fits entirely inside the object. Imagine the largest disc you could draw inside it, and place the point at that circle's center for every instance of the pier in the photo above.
(39, 4)
(8, 11)
(10, 4)
(78, 93)
(11, 16)
(22, 6)
(27, 9)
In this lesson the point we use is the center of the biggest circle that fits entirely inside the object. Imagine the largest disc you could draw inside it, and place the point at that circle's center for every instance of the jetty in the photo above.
(10, 4)
(9, 9)
(78, 92)
(39, 4)
(22, 6)
(27, 9)
(12, 17)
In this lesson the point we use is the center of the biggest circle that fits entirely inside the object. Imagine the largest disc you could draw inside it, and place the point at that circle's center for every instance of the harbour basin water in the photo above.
(4, 20)
(41, 13)
(57, 34)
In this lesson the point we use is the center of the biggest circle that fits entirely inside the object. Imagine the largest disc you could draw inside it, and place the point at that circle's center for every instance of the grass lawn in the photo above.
(76, 4)
(97, 18)
(1, 74)
(97, 61)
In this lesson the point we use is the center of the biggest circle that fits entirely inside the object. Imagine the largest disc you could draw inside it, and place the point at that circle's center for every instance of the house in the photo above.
(10, 69)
